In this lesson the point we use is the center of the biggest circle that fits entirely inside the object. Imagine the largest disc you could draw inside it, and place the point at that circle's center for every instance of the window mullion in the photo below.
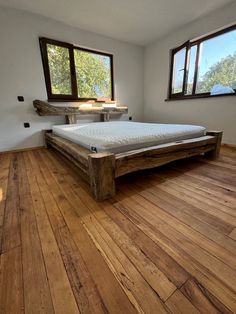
(112, 78)
(73, 73)
(185, 68)
(171, 73)
(43, 47)
(196, 69)
(173, 53)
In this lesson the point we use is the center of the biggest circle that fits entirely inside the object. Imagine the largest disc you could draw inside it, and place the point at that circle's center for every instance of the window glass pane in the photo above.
(178, 71)
(93, 73)
(217, 63)
(59, 68)
(191, 69)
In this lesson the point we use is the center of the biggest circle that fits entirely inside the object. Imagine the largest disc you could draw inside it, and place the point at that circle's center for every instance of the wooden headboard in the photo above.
(71, 112)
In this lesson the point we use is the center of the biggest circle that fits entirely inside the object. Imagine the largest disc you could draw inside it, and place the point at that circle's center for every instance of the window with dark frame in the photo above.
(74, 73)
(204, 67)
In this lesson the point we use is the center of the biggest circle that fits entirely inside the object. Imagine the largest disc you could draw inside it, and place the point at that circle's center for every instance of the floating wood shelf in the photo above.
(43, 108)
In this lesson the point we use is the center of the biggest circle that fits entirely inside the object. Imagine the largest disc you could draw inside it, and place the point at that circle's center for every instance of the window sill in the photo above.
(198, 96)
(85, 100)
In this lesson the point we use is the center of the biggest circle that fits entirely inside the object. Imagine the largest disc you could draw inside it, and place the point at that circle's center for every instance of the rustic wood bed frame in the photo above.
(101, 169)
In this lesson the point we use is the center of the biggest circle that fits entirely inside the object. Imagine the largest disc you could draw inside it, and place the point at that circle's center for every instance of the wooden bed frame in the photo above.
(101, 169)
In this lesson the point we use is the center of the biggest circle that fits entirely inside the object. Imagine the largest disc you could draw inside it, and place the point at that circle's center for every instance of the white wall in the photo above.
(21, 73)
(215, 113)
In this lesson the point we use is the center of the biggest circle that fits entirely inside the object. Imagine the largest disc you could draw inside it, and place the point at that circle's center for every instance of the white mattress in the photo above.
(121, 136)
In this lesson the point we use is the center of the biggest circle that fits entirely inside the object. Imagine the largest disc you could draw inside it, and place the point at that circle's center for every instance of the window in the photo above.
(59, 69)
(75, 73)
(178, 71)
(205, 67)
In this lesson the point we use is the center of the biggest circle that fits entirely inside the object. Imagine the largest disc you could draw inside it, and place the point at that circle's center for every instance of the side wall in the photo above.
(215, 113)
(22, 74)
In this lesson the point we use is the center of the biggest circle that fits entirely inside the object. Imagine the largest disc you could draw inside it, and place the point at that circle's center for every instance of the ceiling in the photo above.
(136, 21)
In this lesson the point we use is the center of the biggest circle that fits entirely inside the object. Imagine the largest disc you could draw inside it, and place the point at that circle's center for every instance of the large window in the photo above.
(204, 67)
(75, 73)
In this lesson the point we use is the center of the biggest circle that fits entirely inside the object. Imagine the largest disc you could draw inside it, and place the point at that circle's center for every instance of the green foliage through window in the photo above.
(205, 67)
(59, 66)
(222, 72)
(74, 73)
(92, 74)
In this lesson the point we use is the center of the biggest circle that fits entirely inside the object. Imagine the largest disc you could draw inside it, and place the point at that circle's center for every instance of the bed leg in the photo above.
(46, 139)
(216, 151)
(47, 145)
(102, 175)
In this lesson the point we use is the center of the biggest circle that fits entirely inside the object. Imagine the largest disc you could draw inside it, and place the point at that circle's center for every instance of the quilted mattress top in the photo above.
(121, 136)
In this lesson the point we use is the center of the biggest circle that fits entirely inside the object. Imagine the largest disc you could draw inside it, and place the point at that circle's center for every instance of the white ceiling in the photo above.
(136, 21)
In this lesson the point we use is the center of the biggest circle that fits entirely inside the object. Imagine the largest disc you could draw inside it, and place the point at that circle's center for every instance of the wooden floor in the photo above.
(165, 243)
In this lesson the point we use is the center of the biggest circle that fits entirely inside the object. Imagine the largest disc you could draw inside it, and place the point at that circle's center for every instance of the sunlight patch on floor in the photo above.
(1, 194)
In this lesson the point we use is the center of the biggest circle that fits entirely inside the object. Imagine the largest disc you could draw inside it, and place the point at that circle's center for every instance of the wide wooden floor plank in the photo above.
(233, 234)
(85, 291)
(123, 265)
(209, 190)
(208, 239)
(155, 278)
(53, 211)
(4, 174)
(165, 243)
(214, 209)
(178, 303)
(11, 222)
(202, 299)
(221, 163)
(163, 261)
(61, 291)
(11, 283)
(194, 208)
(112, 295)
(208, 260)
(149, 270)
(172, 246)
(208, 175)
(173, 206)
(2, 211)
(5, 161)
(37, 296)
(80, 279)
(217, 172)
(203, 192)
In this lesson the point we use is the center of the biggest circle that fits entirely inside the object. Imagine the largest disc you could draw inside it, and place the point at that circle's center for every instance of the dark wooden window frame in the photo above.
(43, 41)
(188, 45)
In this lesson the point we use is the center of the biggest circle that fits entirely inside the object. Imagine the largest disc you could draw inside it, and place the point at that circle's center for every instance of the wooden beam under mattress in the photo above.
(101, 169)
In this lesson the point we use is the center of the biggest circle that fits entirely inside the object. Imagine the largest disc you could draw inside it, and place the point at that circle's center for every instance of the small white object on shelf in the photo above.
(86, 105)
(109, 105)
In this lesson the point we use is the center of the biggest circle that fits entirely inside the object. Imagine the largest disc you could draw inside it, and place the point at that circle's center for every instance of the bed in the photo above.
(103, 151)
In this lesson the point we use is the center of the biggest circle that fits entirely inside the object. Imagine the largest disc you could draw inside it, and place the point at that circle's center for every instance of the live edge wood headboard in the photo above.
(72, 111)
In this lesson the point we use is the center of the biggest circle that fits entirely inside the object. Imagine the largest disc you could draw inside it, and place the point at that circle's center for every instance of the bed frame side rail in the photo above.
(101, 169)
(162, 154)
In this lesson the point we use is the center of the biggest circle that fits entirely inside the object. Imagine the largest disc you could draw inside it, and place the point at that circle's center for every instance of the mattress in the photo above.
(122, 136)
